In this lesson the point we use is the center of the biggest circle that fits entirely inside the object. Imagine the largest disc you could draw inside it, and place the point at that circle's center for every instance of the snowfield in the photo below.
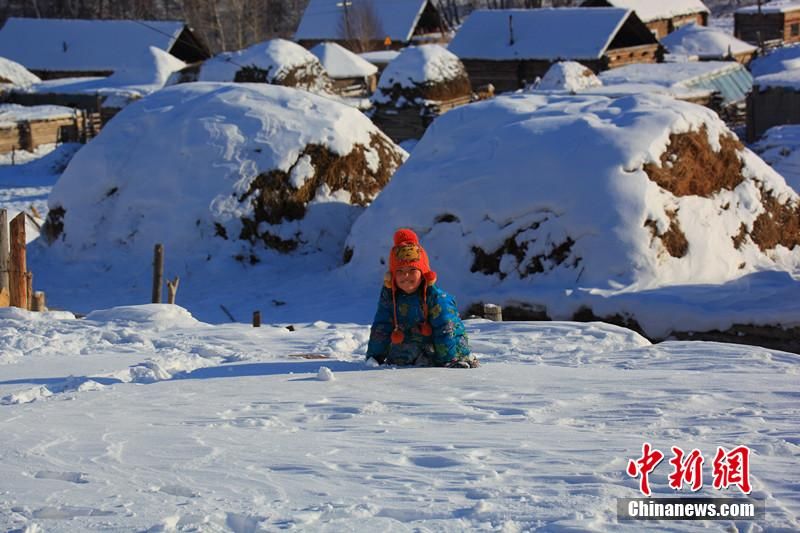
(143, 419)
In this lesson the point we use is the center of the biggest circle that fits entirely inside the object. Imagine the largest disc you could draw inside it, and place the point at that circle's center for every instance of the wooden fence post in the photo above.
(4, 249)
(256, 319)
(38, 302)
(158, 272)
(172, 289)
(493, 312)
(18, 287)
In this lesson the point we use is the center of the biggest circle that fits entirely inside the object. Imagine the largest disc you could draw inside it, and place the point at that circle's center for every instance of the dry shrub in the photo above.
(690, 166)
(489, 262)
(274, 200)
(310, 76)
(674, 239)
(778, 225)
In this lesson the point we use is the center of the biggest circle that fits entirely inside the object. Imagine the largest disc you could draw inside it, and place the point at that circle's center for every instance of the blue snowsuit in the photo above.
(448, 341)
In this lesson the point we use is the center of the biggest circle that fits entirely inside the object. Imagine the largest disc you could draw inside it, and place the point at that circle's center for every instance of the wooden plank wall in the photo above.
(774, 106)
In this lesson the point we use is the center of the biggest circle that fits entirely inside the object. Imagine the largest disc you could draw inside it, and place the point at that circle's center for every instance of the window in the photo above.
(794, 29)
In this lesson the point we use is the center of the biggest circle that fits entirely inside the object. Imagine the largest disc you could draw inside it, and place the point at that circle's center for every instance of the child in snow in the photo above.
(417, 323)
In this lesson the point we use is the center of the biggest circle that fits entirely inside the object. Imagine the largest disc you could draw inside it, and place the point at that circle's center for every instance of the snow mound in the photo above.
(340, 62)
(149, 315)
(153, 67)
(325, 374)
(704, 42)
(426, 72)
(277, 61)
(568, 76)
(15, 74)
(530, 198)
(213, 169)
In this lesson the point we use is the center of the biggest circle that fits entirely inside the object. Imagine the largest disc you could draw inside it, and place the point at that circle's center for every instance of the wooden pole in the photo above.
(172, 289)
(28, 290)
(39, 300)
(158, 272)
(16, 276)
(256, 319)
(4, 249)
(493, 312)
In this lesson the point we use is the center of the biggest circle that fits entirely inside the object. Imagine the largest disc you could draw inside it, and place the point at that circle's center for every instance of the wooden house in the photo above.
(708, 44)
(774, 101)
(773, 23)
(60, 48)
(512, 47)
(27, 128)
(365, 25)
(661, 16)
(351, 75)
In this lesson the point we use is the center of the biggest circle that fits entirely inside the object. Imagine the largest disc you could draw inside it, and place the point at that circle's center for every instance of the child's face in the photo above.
(407, 279)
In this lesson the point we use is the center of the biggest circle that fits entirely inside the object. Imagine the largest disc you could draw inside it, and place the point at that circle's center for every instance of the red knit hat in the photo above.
(407, 252)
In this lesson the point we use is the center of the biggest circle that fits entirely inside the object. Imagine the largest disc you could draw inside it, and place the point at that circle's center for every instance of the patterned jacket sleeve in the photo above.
(449, 337)
(382, 326)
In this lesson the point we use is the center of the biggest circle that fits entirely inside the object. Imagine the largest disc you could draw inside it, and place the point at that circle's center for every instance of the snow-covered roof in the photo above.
(15, 74)
(777, 60)
(144, 74)
(704, 42)
(341, 62)
(323, 19)
(83, 45)
(650, 10)
(549, 34)
(380, 57)
(789, 79)
(783, 6)
(729, 78)
(13, 113)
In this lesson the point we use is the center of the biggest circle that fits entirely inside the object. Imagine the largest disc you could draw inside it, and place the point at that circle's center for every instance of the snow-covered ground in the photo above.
(142, 418)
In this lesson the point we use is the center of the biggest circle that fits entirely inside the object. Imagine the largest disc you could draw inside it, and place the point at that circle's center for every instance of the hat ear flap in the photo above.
(430, 277)
(387, 280)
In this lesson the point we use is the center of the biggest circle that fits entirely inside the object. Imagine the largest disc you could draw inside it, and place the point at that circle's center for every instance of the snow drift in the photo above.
(548, 201)
(221, 168)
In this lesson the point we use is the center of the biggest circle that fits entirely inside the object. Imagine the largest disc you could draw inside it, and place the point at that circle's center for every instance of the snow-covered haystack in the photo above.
(707, 43)
(422, 73)
(277, 62)
(417, 86)
(555, 202)
(568, 76)
(13, 73)
(208, 169)
(351, 75)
